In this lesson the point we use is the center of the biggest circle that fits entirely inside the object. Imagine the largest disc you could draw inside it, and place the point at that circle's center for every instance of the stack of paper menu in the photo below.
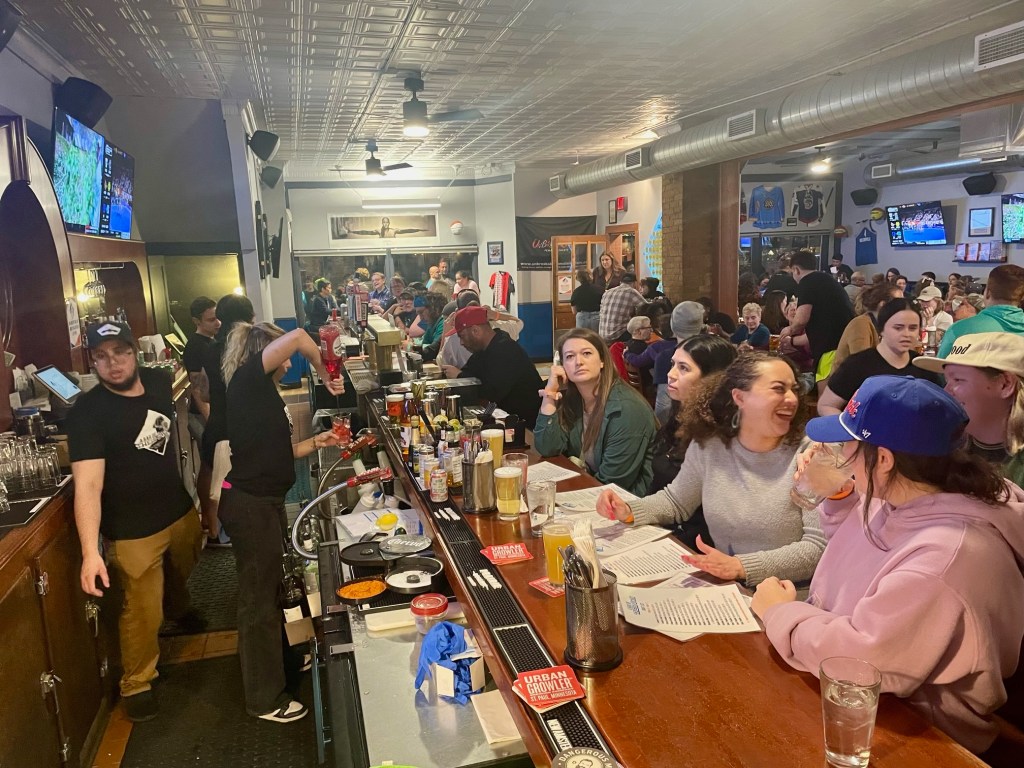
(585, 499)
(684, 612)
(654, 561)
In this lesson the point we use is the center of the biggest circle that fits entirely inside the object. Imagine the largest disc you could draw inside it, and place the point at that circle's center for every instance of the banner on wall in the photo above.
(789, 207)
(357, 230)
(534, 233)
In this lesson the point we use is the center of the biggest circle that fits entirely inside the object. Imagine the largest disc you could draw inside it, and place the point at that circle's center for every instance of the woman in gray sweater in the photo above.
(746, 426)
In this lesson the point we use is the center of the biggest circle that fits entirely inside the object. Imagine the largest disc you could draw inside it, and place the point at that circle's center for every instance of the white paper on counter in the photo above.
(359, 523)
(494, 717)
(545, 470)
(719, 609)
(585, 499)
(655, 561)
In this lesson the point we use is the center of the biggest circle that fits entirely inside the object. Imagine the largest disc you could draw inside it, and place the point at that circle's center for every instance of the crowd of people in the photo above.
(885, 569)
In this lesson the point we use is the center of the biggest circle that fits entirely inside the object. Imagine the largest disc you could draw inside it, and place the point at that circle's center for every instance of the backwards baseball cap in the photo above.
(468, 316)
(1001, 351)
(687, 319)
(97, 333)
(900, 413)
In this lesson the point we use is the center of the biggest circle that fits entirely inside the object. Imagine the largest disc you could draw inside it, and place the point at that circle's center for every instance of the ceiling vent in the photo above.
(881, 171)
(745, 125)
(556, 183)
(998, 47)
(638, 158)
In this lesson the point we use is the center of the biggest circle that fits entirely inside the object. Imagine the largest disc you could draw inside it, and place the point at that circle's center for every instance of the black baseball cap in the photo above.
(108, 330)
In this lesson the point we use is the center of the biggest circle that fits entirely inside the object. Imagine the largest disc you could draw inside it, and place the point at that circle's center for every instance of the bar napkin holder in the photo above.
(478, 496)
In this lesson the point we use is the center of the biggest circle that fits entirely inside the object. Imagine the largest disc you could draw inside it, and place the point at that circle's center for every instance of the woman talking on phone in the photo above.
(588, 412)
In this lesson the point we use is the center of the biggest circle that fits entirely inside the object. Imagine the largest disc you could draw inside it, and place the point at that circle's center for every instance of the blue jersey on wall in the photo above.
(767, 207)
(867, 247)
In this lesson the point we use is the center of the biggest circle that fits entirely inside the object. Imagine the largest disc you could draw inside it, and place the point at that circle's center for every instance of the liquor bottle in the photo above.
(291, 595)
(405, 423)
(415, 435)
(332, 349)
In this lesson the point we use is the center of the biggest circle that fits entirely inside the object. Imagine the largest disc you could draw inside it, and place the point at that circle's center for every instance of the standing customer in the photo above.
(617, 306)
(607, 274)
(322, 305)
(922, 573)
(746, 425)
(598, 418)
(252, 502)
(204, 317)
(127, 488)
(1004, 294)
(586, 301)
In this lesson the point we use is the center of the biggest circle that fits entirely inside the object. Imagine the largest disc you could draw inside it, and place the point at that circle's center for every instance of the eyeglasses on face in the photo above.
(118, 354)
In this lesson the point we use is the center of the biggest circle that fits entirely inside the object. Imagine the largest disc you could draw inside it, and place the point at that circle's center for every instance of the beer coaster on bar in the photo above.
(545, 689)
(549, 589)
(503, 554)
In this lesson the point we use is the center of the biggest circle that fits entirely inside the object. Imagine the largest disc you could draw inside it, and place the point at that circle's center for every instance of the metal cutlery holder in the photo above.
(478, 487)
(592, 626)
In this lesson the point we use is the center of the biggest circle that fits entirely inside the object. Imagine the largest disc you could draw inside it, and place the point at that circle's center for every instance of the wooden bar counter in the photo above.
(715, 701)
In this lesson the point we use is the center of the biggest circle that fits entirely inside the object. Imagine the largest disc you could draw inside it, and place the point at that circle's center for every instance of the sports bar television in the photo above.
(1013, 218)
(914, 224)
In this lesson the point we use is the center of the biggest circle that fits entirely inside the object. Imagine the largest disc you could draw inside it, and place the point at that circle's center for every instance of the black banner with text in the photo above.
(534, 233)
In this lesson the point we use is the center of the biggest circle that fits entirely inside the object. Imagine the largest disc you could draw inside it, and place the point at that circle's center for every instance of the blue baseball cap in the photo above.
(900, 413)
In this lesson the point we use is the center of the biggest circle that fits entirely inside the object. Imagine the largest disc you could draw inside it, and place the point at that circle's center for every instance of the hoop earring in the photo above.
(736, 421)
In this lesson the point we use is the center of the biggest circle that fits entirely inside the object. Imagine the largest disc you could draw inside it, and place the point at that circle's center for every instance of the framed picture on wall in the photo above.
(613, 214)
(980, 222)
(496, 252)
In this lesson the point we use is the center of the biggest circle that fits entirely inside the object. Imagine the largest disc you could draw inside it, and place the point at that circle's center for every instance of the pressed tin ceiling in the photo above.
(552, 77)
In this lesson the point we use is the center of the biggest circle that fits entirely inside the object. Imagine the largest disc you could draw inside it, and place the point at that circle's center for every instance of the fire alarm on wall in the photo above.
(620, 204)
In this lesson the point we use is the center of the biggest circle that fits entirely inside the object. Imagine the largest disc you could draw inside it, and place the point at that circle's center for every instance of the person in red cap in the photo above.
(507, 377)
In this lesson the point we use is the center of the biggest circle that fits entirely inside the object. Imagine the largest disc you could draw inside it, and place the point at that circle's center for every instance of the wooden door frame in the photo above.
(572, 240)
(612, 230)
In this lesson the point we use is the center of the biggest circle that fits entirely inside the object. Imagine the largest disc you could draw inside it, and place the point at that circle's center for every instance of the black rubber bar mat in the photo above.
(202, 722)
(214, 590)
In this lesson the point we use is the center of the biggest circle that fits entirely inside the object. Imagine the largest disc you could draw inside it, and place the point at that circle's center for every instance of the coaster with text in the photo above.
(544, 689)
(549, 589)
(503, 554)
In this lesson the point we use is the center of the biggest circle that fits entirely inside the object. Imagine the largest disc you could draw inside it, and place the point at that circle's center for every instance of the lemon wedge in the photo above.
(387, 521)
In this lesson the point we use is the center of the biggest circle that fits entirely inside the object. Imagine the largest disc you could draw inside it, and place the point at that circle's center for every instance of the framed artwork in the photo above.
(496, 252)
(613, 214)
(980, 222)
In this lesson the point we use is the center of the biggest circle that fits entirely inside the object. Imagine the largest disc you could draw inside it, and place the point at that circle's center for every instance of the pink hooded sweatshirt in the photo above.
(939, 610)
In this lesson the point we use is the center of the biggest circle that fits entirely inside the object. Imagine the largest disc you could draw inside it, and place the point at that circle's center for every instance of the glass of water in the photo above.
(540, 500)
(849, 701)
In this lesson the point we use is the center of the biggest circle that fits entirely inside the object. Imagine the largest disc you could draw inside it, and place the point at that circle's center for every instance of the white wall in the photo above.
(496, 221)
(643, 208)
(23, 91)
(937, 258)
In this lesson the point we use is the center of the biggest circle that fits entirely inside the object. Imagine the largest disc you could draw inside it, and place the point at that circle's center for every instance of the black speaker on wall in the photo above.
(982, 184)
(866, 196)
(9, 20)
(84, 101)
(270, 175)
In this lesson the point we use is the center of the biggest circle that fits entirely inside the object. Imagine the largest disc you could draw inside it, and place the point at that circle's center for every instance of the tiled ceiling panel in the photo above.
(552, 77)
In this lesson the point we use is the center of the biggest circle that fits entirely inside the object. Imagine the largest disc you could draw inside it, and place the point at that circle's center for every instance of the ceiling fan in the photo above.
(415, 121)
(372, 164)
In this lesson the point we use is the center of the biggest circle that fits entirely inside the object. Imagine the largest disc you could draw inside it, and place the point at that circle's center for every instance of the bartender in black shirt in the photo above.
(507, 377)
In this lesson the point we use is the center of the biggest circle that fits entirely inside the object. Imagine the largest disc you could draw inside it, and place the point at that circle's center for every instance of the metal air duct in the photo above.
(938, 77)
(937, 164)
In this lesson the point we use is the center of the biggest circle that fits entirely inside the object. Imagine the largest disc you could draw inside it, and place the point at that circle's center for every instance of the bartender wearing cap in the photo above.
(507, 377)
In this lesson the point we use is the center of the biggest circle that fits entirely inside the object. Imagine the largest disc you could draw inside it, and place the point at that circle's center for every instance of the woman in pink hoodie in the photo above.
(922, 573)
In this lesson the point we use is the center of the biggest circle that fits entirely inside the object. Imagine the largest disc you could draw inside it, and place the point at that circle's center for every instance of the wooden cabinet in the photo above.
(53, 674)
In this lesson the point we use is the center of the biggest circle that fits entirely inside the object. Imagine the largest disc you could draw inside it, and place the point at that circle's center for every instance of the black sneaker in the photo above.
(141, 707)
(289, 712)
(192, 622)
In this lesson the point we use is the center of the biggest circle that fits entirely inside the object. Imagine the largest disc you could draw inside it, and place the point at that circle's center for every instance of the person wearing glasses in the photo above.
(131, 503)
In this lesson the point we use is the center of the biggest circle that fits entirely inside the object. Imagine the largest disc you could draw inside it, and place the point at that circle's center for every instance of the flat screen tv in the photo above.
(914, 224)
(118, 191)
(77, 172)
(1013, 218)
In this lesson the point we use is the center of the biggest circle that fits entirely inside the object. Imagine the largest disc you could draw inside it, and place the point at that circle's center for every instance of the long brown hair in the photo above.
(570, 410)
(710, 411)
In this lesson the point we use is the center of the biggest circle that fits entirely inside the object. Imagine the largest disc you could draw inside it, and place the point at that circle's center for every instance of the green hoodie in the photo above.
(1002, 318)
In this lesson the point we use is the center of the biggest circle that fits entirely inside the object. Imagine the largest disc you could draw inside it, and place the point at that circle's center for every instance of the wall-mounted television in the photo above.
(77, 172)
(118, 192)
(94, 179)
(913, 224)
(1013, 218)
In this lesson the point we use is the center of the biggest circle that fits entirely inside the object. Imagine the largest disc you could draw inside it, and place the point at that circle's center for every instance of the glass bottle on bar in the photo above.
(405, 423)
(332, 348)
(292, 595)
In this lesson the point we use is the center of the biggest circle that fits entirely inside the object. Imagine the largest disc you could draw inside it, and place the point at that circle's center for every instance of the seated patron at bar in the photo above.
(430, 307)
(507, 377)
(985, 374)
(861, 333)
(900, 325)
(1004, 293)
(752, 332)
(922, 573)
(746, 426)
(589, 413)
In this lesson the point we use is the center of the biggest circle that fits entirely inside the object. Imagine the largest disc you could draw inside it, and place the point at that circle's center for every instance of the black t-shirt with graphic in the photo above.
(192, 359)
(259, 428)
(142, 489)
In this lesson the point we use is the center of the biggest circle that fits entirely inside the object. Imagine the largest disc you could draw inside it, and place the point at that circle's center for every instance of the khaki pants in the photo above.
(153, 572)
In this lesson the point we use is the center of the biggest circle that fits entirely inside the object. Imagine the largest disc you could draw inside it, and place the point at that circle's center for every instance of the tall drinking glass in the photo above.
(824, 474)
(520, 460)
(555, 535)
(849, 701)
(508, 486)
(496, 441)
(540, 501)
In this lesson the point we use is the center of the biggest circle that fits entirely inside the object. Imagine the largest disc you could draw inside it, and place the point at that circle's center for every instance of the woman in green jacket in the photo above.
(589, 412)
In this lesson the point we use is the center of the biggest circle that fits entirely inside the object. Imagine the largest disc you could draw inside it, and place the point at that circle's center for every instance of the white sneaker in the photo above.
(289, 712)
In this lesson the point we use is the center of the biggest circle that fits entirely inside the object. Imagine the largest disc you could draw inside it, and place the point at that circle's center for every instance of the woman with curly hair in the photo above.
(746, 425)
